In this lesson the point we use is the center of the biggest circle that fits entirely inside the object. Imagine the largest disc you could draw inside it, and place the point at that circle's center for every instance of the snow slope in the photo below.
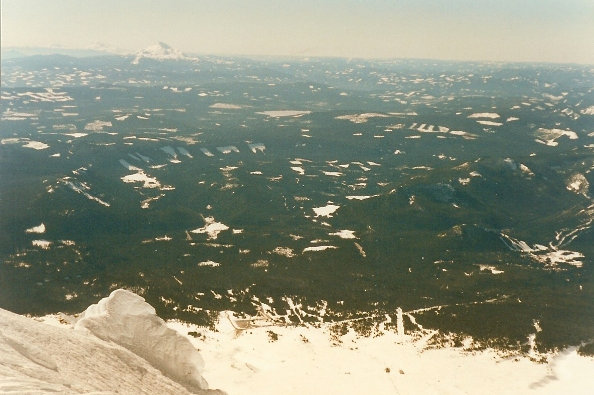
(119, 345)
(126, 319)
(281, 359)
(138, 353)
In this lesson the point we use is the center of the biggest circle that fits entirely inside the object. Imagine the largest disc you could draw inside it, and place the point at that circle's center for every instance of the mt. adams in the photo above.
(160, 51)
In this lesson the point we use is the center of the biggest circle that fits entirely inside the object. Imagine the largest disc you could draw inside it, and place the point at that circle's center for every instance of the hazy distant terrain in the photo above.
(459, 192)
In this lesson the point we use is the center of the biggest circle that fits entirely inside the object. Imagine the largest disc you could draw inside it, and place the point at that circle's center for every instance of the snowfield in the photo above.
(284, 113)
(120, 345)
(36, 145)
(211, 228)
(225, 106)
(489, 123)
(549, 136)
(326, 211)
(124, 318)
(36, 229)
(490, 115)
(361, 118)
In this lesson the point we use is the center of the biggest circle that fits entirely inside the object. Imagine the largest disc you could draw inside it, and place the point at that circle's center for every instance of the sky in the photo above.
(493, 30)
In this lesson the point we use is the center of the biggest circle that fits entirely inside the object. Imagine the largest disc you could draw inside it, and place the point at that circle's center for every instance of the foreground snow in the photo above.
(298, 360)
(120, 345)
(126, 319)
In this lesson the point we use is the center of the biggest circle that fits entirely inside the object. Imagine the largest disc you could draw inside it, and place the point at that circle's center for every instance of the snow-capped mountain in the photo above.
(107, 48)
(160, 51)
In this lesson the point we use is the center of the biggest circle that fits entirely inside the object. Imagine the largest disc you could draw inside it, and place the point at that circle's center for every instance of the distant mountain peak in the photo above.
(160, 51)
(162, 45)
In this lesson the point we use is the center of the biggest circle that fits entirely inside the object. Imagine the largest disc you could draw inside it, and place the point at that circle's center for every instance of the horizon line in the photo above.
(255, 56)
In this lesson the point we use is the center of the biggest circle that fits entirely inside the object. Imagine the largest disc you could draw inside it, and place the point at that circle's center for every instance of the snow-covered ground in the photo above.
(120, 345)
(117, 346)
(361, 118)
(36, 145)
(212, 228)
(284, 113)
(225, 106)
(326, 211)
(549, 136)
(316, 360)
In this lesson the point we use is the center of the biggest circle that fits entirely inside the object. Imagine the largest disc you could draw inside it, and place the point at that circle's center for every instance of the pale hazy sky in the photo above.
(503, 30)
